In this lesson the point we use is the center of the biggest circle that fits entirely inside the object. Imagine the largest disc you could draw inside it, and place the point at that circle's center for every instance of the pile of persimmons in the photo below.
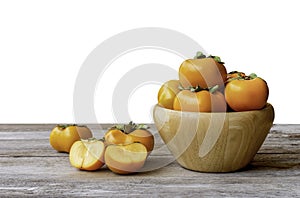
(124, 148)
(205, 86)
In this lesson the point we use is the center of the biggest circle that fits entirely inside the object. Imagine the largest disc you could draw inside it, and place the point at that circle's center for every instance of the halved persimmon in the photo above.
(125, 159)
(87, 154)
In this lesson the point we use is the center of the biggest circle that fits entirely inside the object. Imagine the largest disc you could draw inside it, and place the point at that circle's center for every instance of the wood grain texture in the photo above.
(30, 167)
(213, 142)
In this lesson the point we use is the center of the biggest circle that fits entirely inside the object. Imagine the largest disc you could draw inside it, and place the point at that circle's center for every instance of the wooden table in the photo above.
(30, 167)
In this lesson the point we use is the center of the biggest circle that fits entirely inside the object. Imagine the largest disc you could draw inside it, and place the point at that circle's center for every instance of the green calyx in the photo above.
(252, 76)
(213, 89)
(200, 55)
(198, 88)
(130, 127)
(241, 76)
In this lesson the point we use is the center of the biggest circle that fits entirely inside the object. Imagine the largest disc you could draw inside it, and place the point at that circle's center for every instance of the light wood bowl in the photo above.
(213, 142)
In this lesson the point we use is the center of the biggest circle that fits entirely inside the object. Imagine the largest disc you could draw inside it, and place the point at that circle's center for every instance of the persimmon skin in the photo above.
(246, 95)
(205, 72)
(202, 101)
(115, 136)
(144, 137)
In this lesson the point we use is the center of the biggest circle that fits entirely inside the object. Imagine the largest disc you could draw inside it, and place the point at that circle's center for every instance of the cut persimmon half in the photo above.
(125, 159)
(87, 154)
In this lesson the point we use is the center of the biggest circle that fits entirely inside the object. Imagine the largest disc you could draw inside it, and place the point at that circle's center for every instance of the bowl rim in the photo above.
(268, 105)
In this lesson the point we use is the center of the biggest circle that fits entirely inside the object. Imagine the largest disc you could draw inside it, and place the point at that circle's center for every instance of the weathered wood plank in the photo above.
(30, 167)
(106, 184)
(38, 176)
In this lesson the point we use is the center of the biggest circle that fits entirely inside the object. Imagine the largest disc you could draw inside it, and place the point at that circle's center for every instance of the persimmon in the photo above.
(246, 93)
(63, 136)
(201, 100)
(167, 93)
(202, 71)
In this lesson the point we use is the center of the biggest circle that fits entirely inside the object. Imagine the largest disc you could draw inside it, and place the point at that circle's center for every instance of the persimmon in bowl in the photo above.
(213, 142)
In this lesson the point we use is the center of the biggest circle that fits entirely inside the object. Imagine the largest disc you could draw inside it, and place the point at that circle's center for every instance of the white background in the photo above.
(44, 43)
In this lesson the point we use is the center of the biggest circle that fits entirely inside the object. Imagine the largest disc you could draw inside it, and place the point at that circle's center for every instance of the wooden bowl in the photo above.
(213, 142)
